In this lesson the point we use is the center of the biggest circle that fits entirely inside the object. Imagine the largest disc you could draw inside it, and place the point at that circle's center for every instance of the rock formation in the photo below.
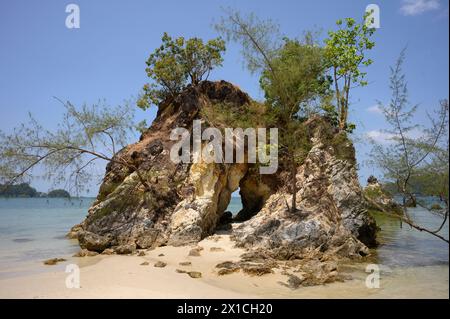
(184, 203)
(378, 199)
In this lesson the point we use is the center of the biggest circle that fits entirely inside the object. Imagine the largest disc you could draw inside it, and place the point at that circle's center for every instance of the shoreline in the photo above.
(119, 276)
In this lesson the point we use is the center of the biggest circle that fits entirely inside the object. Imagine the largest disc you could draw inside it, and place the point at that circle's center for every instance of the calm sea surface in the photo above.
(33, 229)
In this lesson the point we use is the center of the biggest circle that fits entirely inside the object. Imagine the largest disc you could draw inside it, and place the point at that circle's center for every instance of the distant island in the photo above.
(24, 190)
(58, 193)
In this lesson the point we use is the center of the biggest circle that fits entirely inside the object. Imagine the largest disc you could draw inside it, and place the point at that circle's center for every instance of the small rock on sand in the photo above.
(293, 281)
(141, 253)
(53, 261)
(160, 255)
(145, 263)
(228, 267)
(160, 264)
(185, 263)
(225, 271)
(125, 249)
(216, 249)
(194, 274)
(195, 251)
(256, 269)
(108, 251)
(85, 253)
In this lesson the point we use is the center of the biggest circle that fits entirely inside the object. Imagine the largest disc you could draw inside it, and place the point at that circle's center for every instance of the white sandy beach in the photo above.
(124, 277)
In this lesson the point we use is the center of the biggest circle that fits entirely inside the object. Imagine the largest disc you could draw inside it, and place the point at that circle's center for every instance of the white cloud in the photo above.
(416, 7)
(382, 137)
(379, 136)
(374, 109)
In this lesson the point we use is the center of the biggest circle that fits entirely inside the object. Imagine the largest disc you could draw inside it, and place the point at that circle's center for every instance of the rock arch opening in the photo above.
(235, 205)
(245, 201)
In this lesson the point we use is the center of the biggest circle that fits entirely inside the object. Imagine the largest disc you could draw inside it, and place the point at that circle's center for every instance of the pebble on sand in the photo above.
(160, 264)
(53, 261)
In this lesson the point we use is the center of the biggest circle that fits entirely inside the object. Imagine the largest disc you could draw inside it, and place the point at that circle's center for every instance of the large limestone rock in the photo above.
(184, 202)
(331, 215)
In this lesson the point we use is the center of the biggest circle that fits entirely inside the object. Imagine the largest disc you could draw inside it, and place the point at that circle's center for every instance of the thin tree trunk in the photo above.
(294, 186)
(344, 104)
(340, 106)
(342, 120)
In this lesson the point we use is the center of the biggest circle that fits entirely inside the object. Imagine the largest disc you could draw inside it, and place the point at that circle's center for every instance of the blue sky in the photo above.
(105, 58)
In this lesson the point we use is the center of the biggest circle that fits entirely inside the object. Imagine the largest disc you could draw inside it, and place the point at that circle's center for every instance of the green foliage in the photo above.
(292, 75)
(222, 115)
(295, 142)
(431, 180)
(345, 53)
(296, 76)
(414, 158)
(256, 115)
(142, 126)
(343, 147)
(66, 154)
(345, 49)
(390, 187)
(350, 127)
(259, 39)
(176, 62)
(328, 109)
(373, 192)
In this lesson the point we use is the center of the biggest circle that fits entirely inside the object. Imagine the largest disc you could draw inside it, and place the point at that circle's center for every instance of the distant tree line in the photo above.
(25, 190)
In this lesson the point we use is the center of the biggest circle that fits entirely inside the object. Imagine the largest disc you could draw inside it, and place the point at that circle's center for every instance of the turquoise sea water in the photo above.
(33, 229)
(235, 205)
(402, 245)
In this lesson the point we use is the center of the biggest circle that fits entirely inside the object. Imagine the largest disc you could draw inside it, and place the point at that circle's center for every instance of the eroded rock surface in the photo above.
(331, 215)
(184, 203)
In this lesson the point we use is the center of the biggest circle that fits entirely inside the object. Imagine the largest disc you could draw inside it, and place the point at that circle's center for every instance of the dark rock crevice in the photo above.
(254, 193)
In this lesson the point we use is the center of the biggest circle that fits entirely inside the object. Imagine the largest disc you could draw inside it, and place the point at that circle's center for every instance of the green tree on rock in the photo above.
(345, 53)
(296, 76)
(292, 73)
(175, 64)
